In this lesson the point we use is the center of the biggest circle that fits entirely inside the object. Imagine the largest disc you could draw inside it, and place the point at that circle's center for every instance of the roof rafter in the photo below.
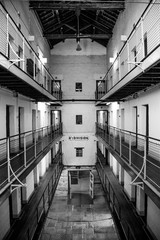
(44, 5)
(96, 24)
(71, 36)
(59, 25)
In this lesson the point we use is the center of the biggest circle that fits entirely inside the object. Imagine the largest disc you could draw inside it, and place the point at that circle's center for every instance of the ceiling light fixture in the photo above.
(78, 34)
(78, 47)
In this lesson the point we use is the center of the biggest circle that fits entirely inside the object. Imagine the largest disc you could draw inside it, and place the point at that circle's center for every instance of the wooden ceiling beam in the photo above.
(45, 5)
(96, 24)
(74, 36)
(59, 25)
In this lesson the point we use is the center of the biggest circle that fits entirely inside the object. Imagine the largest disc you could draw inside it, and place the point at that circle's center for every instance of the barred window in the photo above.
(78, 87)
(79, 152)
(78, 119)
(145, 45)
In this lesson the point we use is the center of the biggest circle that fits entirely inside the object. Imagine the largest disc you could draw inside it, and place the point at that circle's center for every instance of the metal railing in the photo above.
(142, 41)
(140, 152)
(115, 202)
(42, 202)
(18, 152)
(15, 46)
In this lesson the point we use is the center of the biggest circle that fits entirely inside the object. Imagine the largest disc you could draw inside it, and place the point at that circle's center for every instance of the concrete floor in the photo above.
(78, 218)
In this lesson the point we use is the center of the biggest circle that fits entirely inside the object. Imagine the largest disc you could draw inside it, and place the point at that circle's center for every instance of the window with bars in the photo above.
(79, 152)
(78, 119)
(78, 87)
(145, 45)
(134, 54)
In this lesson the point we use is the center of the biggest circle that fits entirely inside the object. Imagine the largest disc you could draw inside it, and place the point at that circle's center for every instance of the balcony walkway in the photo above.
(143, 159)
(21, 156)
(75, 220)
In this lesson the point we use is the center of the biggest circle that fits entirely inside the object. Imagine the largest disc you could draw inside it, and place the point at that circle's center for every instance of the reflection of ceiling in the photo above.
(62, 20)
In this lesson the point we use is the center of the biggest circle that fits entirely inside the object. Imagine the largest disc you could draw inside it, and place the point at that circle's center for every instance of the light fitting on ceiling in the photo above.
(78, 47)
(78, 34)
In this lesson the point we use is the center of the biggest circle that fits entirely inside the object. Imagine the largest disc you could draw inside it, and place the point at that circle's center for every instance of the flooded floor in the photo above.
(79, 217)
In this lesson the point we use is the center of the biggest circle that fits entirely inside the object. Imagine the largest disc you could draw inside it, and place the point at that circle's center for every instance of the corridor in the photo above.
(80, 218)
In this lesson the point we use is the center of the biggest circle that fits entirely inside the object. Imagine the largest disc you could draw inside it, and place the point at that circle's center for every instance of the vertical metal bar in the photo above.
(145, 156)
(8, 159)
(34, 67)
(7, 36)
(119, 64)
(114, 136)
(142, 32)
(120, 142)
(23, 55)
(128, 56)
(25, 152)
(35, 150)
(130, 150)
(42, 139)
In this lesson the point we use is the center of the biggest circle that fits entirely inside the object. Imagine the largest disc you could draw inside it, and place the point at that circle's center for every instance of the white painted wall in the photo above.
(19, 10)
(85, 66)
(128, 188)
(28, 190)
(89, 150)
(140, 201)
(4, 219)
(71, 129)
(124, 25)
(153, 216)
(16, 202)
(69, 48)
(115, 166)
(152, 98)
(44, 114)
(69, 112)
(113, 107)
(6, 98)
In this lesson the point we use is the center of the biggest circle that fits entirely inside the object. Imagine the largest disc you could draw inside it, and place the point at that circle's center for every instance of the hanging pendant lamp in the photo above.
(78, 38)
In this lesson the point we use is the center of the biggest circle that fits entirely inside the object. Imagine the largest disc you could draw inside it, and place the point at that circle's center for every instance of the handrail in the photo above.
(116, 207)
(26, 40)
(18, 152)
(22, 42)
(127, 131)
(128, 52)
(32, 131)
(141, 154)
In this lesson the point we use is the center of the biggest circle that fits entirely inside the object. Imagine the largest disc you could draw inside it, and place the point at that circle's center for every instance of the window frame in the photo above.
(78, 88)
(79, 121)
(79, 151)
(145, 44)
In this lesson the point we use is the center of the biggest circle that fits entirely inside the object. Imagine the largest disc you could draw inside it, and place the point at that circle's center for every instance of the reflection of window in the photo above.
(134, 54)
(10, 44)
(56, 86)
(78, 87)
(20, 54)
(78, 119)
(79, 152)
(145, 45)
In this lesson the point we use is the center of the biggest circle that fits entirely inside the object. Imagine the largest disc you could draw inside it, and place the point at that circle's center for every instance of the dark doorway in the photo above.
(135, 122)
(80, 187)
(20, 125)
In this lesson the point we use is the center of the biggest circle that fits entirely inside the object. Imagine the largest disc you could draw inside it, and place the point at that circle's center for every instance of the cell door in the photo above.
(91, 185)
(146, 125)
(7, 121)
(10, 127)
(135, 124)
(20, 125)
(33, 123)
